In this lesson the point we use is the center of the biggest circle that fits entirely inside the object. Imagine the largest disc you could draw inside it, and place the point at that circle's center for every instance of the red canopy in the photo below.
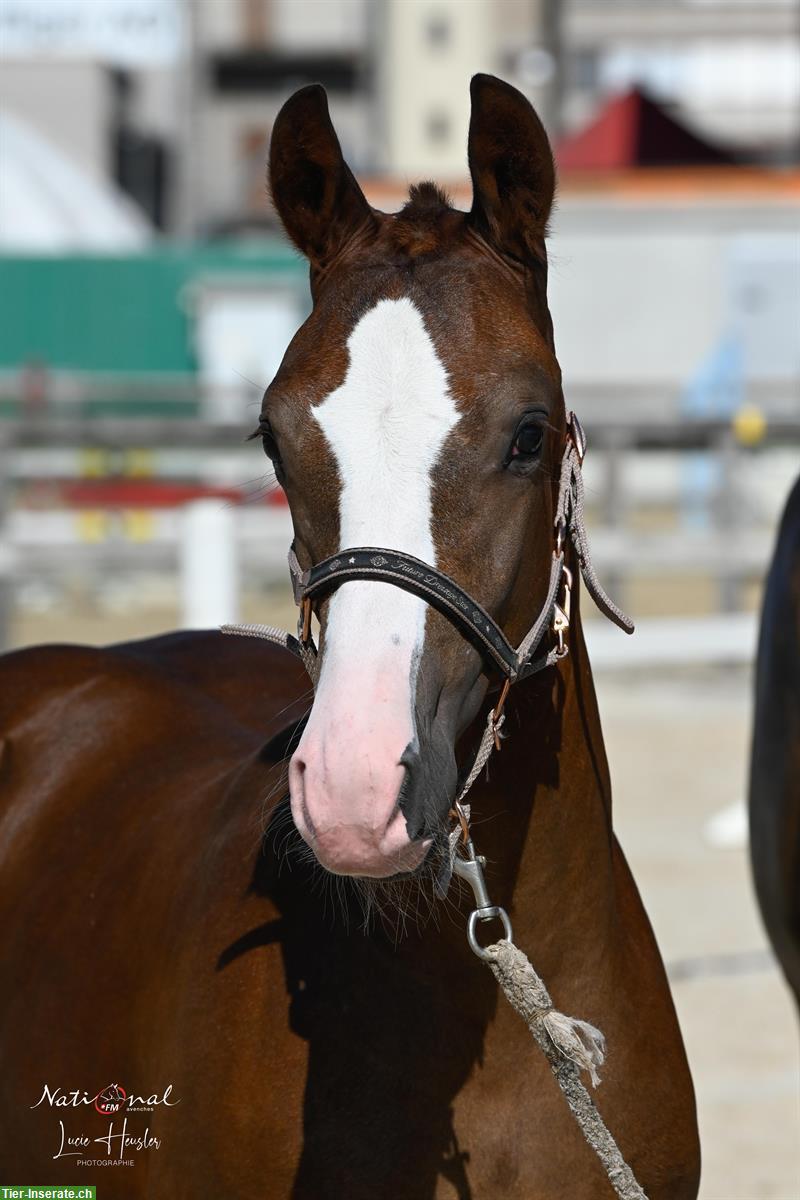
(631, 130)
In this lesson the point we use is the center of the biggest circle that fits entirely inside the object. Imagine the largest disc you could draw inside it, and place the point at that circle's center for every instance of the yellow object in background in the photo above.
(138, 524)
(94, 463)
(139, 464)
(749, 425)
(93, 525)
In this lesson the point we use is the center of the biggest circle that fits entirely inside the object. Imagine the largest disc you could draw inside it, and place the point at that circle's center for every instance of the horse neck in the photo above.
(543, 819)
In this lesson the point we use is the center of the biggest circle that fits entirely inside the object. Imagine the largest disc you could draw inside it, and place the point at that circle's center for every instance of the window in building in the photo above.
(584, 70)
(438, 127)
(339, 25)
(253, 151)
(437, 31)
(254, 22)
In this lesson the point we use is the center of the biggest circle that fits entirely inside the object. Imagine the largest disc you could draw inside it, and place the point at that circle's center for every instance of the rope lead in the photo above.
(570, 1046)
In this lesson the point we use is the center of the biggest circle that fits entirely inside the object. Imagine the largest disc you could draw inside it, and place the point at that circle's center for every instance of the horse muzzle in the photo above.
(349, 813)
(351, 776)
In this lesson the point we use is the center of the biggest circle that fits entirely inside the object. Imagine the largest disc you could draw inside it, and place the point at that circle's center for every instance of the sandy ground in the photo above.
(678, 748)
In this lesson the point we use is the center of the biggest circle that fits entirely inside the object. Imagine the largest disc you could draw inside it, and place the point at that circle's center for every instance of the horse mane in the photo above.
(425, 197)
(420, 227)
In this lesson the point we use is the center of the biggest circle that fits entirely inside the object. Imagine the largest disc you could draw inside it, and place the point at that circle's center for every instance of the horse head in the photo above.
(418, 409)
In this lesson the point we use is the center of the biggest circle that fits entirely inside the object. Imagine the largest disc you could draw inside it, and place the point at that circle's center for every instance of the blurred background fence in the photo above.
(148, 296)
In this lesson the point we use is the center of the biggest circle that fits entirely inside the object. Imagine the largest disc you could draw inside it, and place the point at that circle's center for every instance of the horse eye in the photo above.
(527, 441)
(268, 441)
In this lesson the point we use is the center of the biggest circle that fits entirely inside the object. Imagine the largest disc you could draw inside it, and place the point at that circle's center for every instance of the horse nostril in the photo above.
(409, 761)
(410, 798)
(297, 782)
(429, 783)
(405, 785)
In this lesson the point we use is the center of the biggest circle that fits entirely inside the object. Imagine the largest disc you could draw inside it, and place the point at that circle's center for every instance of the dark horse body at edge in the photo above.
(156, 937)
(775, 761)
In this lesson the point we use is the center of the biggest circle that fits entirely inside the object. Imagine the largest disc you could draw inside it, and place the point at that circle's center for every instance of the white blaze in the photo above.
(386, 425)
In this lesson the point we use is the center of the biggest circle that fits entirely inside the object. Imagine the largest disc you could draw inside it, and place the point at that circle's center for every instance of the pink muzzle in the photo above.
(346, 775)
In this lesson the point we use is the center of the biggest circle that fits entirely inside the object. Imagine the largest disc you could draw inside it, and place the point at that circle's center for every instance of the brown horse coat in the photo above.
(150, 938)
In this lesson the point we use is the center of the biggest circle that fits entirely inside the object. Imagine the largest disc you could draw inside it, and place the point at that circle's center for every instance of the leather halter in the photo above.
(450, 599)
(471, 620)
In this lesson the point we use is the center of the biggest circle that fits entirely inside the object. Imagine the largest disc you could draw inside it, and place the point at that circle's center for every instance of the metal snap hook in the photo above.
(561, 614)
(471, 869)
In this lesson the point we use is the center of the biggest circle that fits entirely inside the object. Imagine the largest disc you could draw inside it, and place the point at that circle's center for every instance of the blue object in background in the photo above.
(715, 392)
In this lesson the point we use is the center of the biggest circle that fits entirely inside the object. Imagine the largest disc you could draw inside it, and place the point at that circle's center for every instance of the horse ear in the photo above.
(511, 163)
(313, 189)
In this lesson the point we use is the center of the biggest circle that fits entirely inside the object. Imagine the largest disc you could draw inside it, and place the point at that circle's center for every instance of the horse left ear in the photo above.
(511, 163)
(314, 190)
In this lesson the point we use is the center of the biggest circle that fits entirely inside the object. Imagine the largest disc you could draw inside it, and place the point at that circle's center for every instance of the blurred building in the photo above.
(173, 102)
(49, 203)
(729, 68)
(247, 56)
(174, 99)
(396, 72)
(102, 82)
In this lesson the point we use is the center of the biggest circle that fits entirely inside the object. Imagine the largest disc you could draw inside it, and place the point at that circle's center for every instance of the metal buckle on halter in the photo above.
(561, 614)
(304, 620)
(576, 433)
(497, 714)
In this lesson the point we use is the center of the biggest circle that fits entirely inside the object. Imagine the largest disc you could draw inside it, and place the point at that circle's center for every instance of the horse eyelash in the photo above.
(260, 429)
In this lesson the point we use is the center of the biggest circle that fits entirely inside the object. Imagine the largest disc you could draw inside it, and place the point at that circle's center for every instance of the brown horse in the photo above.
(775, 760)
(167, 923)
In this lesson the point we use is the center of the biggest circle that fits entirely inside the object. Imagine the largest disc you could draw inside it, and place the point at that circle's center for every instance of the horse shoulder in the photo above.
(133, 807)
(261, 684)
(80, 725)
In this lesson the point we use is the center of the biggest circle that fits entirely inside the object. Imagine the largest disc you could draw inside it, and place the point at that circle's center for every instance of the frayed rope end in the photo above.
(578, 1041)
(573, 1039)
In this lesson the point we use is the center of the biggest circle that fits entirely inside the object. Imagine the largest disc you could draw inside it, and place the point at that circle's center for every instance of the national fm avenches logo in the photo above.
(111, 1099)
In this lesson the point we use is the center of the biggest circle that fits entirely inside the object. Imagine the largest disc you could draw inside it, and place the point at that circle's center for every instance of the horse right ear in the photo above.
(313, 189)
(511, 163)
